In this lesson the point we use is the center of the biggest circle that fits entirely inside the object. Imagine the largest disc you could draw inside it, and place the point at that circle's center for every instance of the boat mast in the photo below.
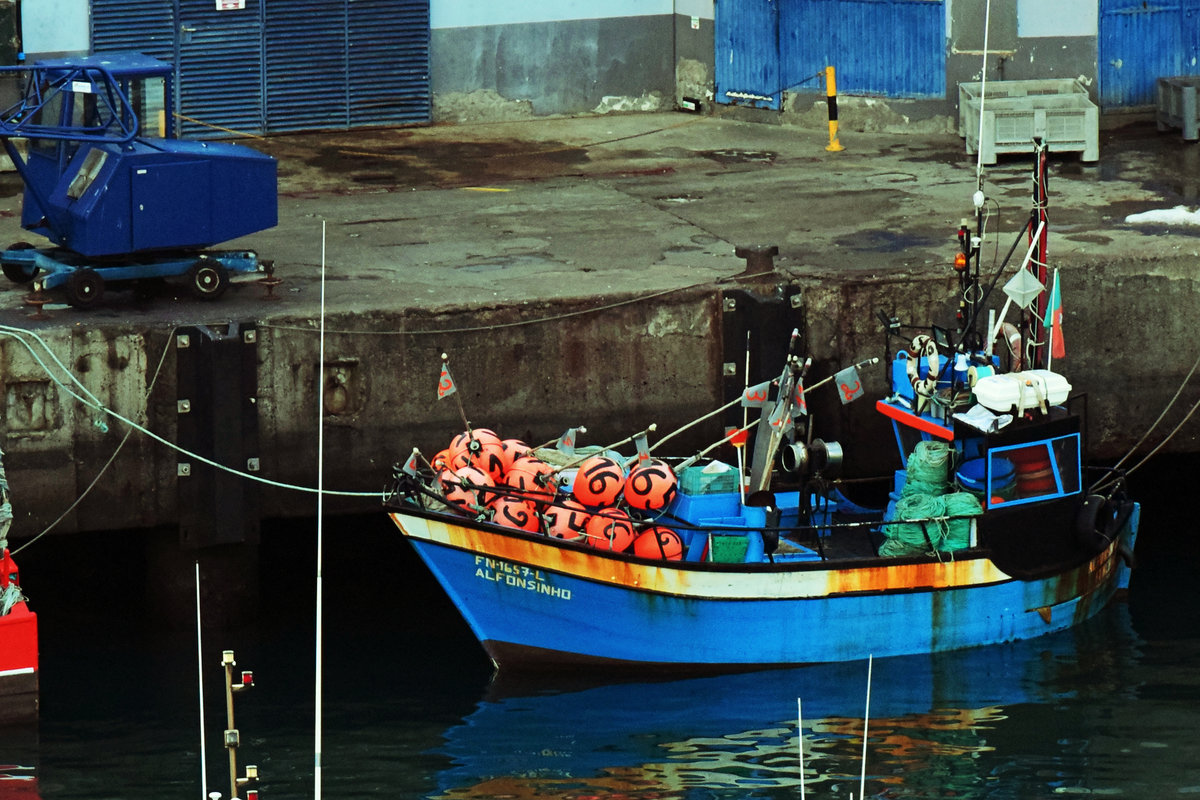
(1039, 266)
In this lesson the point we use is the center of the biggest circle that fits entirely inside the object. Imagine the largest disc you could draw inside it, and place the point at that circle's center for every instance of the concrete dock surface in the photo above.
(503, 213)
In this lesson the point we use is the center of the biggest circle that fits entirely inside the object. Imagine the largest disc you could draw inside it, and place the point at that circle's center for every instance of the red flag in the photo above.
(446, 385)
(737, 436)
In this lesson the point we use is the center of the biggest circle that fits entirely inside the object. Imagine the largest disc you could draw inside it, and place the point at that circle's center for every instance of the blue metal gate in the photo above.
(220, 69)
(271, 66)
(747, 57)
(1143, 41)
(891, 48)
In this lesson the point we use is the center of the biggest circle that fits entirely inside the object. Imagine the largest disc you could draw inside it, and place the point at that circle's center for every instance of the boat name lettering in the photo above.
(517, 576)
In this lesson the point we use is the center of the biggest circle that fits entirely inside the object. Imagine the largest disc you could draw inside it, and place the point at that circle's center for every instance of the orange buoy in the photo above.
(598, 482)
(440, 460)
(468, 444)
(651, 486)
(533, 478)
(567, 519)
(513, 512)
(658, 542)
(512, 450)
(466, 487)
(489, 458)
(611, 529)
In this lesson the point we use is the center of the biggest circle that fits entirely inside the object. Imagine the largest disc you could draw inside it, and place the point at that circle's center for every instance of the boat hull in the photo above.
(18, 666)
(534, 602)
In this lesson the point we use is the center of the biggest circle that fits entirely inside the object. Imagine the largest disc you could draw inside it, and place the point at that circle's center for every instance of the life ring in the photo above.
(1100, 520)
(1012, 337)
(923, 388)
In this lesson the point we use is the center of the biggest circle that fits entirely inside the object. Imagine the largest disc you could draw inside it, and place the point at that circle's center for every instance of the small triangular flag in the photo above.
(643, 448)
(799, 402)
(849, 385)
(446, 385)
(756, 396)
(566, 444)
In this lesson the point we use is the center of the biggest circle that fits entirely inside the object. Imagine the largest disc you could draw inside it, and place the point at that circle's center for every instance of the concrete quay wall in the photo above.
(614, 364)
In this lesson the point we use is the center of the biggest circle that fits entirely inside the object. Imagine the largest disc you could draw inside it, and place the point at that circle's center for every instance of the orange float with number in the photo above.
(598, 482)
(658, 542)
(651, 486)
(567, 520)
(611, 529)
(513, 512)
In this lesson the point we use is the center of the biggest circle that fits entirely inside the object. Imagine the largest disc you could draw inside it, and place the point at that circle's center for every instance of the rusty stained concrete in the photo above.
(574, 270)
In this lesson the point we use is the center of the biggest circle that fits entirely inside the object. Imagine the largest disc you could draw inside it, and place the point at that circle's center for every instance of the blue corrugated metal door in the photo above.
(747, 53)
(388, 47)
(281, 66)
(1143, 41)
(147, 26)
(346, 64)
(306, 65)
(892, 48)
(220, 68)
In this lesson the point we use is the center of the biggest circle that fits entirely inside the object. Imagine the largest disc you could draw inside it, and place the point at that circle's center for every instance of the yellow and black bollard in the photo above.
(831, 98)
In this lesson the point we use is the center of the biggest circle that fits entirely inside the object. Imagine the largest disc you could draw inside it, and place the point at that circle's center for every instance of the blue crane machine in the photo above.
(118, 205)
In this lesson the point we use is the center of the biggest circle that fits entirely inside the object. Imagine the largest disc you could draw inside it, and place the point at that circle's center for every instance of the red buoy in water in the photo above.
(610, 529)
(567, 519)
(651, 486)
(658, 542)
(513, 512)
(598, 482)
(533, 478)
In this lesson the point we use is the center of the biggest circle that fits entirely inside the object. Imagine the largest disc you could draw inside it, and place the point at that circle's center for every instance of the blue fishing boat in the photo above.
(995, 528)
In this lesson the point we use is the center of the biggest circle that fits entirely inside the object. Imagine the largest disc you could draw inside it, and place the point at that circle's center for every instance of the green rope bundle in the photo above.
(928, 469)
(907, 537)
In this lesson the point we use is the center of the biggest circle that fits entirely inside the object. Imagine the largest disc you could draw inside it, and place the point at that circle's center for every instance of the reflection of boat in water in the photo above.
(937, 721)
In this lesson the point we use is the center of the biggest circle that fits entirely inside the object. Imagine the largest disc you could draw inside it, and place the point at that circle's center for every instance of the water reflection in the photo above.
(955, 724)
(1109, 708)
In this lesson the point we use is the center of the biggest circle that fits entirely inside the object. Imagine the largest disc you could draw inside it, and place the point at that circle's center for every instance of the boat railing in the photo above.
(730, 538)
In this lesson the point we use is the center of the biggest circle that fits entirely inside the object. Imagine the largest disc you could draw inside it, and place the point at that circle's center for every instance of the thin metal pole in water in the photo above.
(200, 683)
(862, 785)
(800, 742)
(320, 528)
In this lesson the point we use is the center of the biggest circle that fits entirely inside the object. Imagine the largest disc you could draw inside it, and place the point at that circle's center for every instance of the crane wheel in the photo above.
(85, 288)
(207, 279)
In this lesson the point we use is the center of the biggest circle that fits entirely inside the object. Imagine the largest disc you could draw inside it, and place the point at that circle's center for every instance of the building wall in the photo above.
(54, 27)
(511, 60)
(1026, 40)
(492, 59)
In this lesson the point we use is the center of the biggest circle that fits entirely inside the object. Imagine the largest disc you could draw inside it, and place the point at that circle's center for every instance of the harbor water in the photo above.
(1110, 708)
